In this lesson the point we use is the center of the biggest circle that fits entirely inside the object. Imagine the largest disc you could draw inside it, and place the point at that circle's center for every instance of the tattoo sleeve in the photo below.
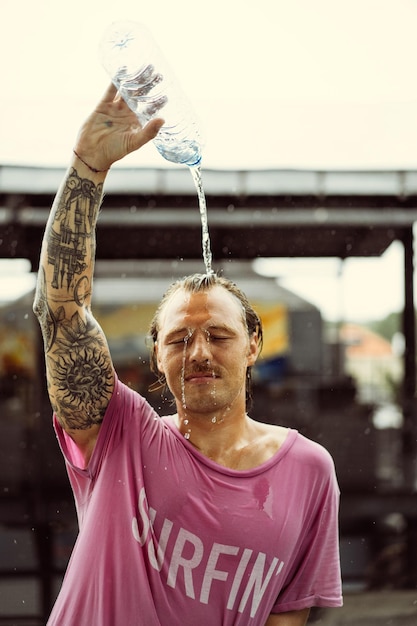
(78, 364)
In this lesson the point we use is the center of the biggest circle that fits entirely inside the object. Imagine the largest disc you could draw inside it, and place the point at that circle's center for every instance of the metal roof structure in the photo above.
(153, 213)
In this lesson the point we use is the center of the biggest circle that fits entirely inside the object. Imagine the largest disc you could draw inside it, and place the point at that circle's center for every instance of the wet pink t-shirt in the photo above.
(168, 537)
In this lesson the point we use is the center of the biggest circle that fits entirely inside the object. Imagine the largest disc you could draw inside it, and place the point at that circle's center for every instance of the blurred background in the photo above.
(310, 174)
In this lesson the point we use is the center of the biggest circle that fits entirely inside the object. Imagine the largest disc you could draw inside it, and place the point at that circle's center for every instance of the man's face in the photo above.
(203, 350)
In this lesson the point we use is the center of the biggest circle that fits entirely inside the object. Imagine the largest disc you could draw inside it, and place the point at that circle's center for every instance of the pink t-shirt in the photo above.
(168, 537)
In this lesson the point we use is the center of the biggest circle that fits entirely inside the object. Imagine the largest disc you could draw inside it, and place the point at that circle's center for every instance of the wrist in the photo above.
(89, 164)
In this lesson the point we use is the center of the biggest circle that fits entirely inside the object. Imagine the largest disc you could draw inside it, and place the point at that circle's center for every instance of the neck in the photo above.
(216, 435)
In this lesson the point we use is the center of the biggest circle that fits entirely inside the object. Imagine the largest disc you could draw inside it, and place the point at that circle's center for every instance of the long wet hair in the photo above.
(196, 283)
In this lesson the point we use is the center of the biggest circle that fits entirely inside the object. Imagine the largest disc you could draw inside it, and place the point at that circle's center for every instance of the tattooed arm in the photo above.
(78, 363)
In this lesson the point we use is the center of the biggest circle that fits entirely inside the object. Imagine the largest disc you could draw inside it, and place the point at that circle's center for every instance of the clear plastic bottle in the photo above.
(146, 82)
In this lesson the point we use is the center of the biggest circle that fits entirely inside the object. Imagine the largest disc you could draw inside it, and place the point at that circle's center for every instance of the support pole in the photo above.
(409, 384)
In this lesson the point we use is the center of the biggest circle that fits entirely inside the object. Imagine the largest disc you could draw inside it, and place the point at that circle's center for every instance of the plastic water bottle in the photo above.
(146, 82)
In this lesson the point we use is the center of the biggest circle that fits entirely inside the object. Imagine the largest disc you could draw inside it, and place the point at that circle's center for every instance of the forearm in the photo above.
(72, 338)
(68, 247)
(67, 257)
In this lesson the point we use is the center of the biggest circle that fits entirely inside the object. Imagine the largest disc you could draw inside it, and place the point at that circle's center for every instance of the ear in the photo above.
(253, 350)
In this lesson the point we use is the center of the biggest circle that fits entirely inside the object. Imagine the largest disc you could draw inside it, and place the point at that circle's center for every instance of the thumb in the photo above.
(152, 128)
(140, 136)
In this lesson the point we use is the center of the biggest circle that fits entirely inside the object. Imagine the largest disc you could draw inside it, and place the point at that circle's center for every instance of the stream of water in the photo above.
(205, 236)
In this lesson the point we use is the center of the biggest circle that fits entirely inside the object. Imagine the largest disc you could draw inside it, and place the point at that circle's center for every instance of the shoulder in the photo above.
(300, 447)
(315, 464)
(312, 451)
(288, 438)
(303, 456)
(128, 412)
(125, 400)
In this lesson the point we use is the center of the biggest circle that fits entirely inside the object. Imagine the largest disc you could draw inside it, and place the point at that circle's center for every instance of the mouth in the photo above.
(200, 377)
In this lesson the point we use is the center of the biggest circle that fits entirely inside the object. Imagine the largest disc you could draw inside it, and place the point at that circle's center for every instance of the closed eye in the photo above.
(217, 338)
(180, 340)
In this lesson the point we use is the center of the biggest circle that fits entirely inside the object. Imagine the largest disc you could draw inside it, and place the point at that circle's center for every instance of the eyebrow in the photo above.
(184, 330)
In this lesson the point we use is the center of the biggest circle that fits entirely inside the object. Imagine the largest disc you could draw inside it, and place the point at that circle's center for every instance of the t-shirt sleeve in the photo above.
(315, 577)
(128, 419)
(124, 408)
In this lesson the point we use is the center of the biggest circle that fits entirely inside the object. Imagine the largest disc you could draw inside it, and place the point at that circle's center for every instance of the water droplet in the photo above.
(214, 419)
(186, 422)
(187, 435)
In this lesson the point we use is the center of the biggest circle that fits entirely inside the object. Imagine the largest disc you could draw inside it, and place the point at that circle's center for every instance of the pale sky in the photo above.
(297, 83)
(350, 290)
(276, 83)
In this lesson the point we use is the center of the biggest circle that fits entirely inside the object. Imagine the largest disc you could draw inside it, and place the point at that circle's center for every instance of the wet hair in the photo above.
(196, 283)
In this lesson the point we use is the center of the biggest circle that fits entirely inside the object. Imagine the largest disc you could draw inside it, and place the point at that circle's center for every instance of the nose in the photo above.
(199, 347)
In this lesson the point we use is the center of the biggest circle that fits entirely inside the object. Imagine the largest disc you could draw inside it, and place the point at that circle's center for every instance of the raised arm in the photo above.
(78, 364)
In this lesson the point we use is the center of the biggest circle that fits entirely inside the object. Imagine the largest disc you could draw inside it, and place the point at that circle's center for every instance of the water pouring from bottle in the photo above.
(146, 82)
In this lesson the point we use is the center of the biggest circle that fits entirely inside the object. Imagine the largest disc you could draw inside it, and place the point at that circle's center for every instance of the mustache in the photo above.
(202, 368)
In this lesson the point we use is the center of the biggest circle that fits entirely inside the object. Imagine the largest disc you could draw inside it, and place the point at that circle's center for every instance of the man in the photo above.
(203, 518)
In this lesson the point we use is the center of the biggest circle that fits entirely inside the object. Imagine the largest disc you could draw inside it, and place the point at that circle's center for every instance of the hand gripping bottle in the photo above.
(145, 81)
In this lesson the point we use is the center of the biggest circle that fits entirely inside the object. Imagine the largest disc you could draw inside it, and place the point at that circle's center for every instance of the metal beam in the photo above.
(229, 218)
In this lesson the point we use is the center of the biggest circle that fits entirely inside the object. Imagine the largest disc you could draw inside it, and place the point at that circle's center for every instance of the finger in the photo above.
(110, 93)
(141, 136)
(152, 128)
